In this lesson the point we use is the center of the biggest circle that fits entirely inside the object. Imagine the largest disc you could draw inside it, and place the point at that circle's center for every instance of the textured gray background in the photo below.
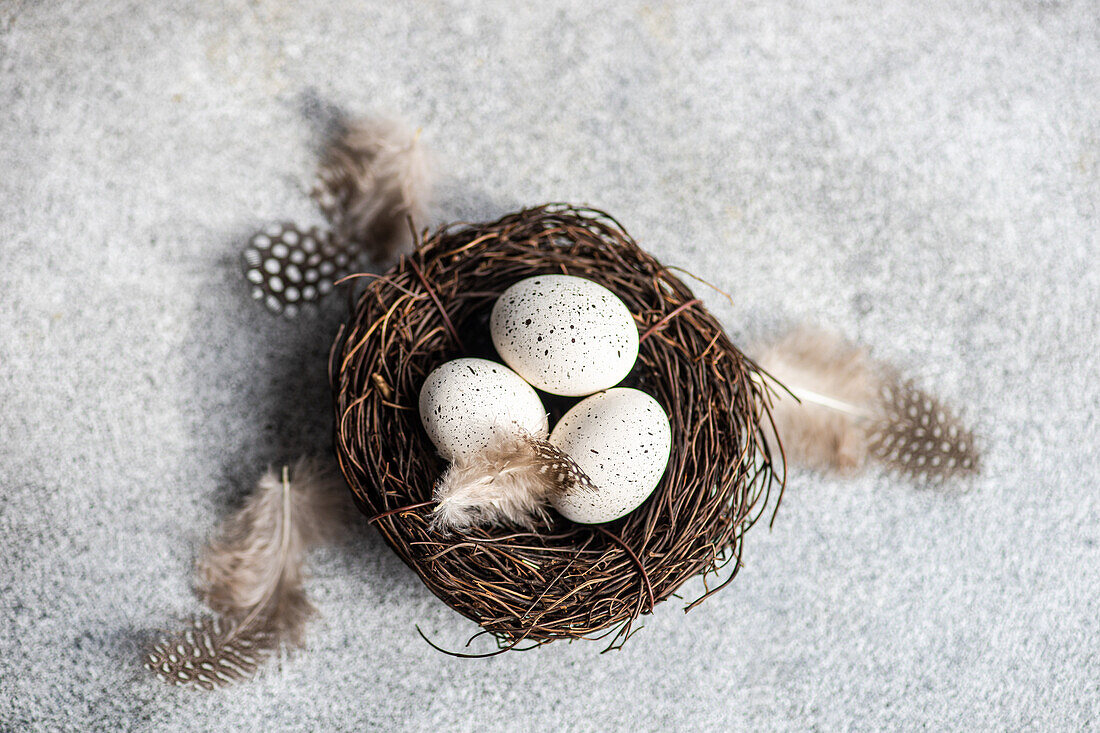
(923, 177)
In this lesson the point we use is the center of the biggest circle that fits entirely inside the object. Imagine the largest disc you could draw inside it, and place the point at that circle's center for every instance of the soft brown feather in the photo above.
(843, 408)
(255, 568)
(375, 175)
(814, 435)
(252, 576)
(511, 481)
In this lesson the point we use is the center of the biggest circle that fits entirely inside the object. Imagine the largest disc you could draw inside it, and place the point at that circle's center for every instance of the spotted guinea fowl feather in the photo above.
(252, 576)
(289, 267)
(916, 434)
(836, 408)
(210, 653)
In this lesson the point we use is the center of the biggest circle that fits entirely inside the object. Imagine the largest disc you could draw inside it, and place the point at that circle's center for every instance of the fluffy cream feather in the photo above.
(375, 175)
(843, 408)
(509, 482)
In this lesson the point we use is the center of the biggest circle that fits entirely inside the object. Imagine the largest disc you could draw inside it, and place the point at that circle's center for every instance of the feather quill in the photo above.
(252, 576)
(511, 481)
(375, 175)
(843, 409)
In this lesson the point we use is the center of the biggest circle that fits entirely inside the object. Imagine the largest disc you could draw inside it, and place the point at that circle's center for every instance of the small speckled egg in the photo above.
(622, 439)
(565, 335)
(463, 402)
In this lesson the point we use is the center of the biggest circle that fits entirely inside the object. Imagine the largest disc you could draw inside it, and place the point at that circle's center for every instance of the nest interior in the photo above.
(563, 581)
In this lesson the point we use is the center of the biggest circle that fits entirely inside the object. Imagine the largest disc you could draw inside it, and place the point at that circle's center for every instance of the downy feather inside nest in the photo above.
(510, 482)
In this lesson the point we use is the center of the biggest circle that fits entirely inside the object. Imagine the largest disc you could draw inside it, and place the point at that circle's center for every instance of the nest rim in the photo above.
(565, 580)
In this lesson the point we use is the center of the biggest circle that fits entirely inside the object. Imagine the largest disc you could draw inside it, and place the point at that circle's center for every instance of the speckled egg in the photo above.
(565, 335)
(622, 439)
(464, 401)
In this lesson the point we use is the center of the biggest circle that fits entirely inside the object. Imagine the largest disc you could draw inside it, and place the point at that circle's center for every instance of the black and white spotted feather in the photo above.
(509, 482)
(836, 408)
(289, 267)
(210, 653)
(918, 435)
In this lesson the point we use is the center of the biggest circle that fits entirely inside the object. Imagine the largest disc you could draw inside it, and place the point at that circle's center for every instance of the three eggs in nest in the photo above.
(568, 336)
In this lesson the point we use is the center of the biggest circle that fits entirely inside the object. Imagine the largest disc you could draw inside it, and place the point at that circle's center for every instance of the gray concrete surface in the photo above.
(923, 177)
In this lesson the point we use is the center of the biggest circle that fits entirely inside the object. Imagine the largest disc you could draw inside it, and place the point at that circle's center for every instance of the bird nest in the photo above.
(563, 580)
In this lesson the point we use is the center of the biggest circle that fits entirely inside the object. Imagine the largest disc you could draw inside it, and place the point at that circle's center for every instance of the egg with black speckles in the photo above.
(565, 335)
(622, 439)
(463, 402)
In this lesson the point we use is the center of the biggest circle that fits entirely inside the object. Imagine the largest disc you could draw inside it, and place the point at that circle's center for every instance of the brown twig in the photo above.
(656, 326)
(438, 304)
(637, 561)
(400, 510)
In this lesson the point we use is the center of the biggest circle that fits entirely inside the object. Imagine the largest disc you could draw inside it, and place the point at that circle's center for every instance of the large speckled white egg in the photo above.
(463, 402)
(622, 439)
(565, 335)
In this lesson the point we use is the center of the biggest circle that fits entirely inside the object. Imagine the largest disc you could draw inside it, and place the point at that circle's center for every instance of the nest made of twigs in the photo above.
(565, 580)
